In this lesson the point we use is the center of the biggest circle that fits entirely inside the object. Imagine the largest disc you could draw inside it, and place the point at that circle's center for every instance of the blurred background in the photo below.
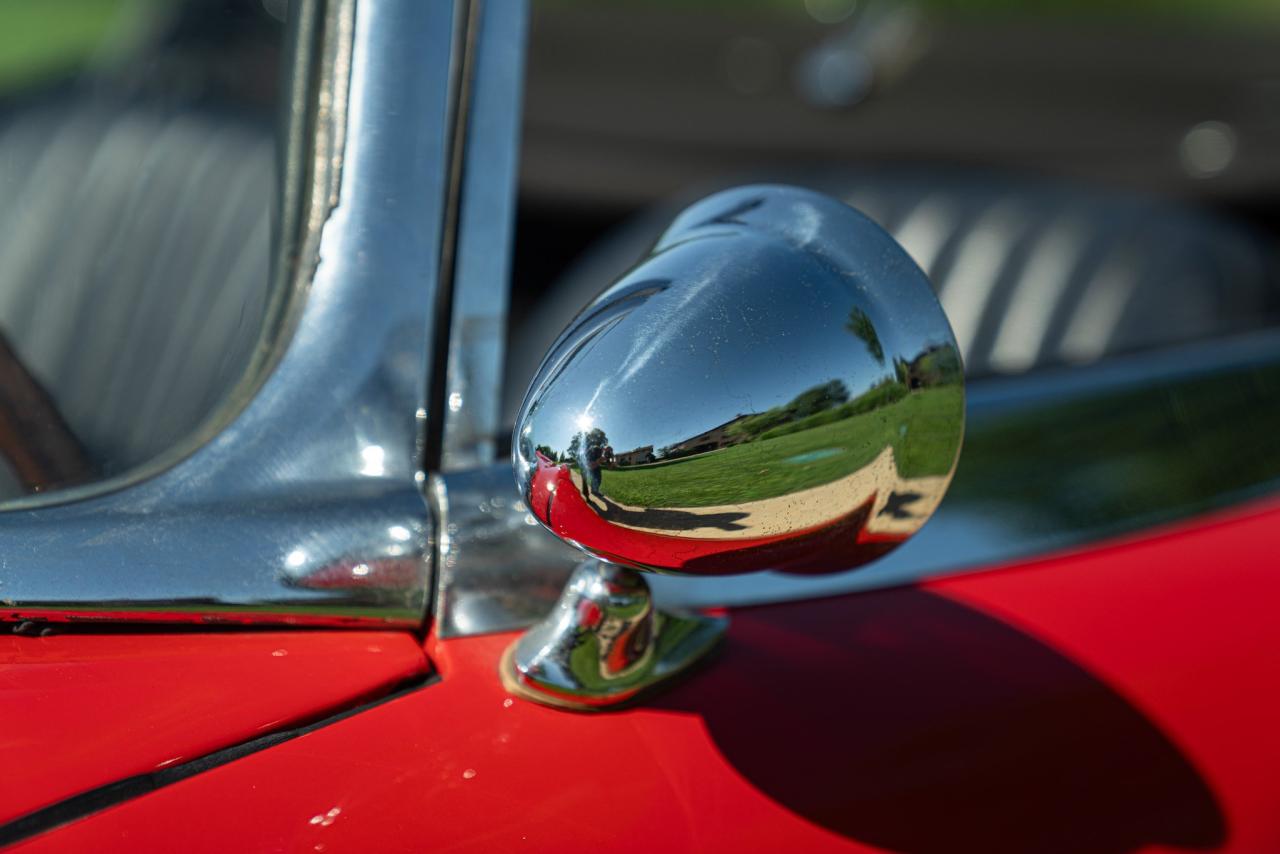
(1078, 178)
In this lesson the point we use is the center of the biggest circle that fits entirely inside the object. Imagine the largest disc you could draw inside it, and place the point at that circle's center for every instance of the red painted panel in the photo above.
(1119, 699)
(80, 711)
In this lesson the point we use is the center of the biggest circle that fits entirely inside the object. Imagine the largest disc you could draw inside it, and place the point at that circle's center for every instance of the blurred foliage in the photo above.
(830, 11)
(43, 39)
(1112, 8)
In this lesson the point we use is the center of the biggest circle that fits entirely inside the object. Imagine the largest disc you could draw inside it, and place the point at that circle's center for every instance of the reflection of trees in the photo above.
(862, 327)
(936, 365)
(819, 398)
(811, 401)
(879, 395)
(827, 402)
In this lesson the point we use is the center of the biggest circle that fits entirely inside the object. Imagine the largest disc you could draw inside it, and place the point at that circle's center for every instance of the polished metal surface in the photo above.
(1131, 442)
(792, 398)
(774, 386)
(482, 251)
(605, 643)
(306, 509)
(496, 568)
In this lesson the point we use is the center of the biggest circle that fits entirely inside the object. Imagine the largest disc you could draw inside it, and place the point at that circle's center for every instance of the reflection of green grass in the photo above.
(757, 470)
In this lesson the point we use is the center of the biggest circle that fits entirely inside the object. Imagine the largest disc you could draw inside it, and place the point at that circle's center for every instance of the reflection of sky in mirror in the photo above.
(737, 332)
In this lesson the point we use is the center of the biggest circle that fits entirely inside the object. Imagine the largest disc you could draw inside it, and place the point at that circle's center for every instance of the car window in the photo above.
(1079, 180)
(137, 172)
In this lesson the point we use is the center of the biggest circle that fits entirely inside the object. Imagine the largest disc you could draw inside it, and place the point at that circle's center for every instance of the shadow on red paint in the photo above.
(907, 721)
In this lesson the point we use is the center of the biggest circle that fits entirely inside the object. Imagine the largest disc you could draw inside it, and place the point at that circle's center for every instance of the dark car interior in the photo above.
(138, 167)
(1078, 180)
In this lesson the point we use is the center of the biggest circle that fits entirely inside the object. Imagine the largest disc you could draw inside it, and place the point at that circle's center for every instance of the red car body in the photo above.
(1113, 699)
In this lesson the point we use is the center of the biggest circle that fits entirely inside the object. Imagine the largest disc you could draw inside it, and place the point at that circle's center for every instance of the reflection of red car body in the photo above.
(555, 499)
(1103, 701)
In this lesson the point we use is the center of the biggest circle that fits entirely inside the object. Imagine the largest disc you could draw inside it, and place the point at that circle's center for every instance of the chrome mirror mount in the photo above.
(775, 386)
(605, 642)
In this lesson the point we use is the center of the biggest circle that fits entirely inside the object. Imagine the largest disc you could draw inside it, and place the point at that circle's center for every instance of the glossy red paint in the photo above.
(1117, 699)
(193, 618)
(843, 542)
(81, 711)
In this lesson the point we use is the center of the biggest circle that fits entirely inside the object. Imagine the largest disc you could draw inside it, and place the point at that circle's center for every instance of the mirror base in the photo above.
(605, 644)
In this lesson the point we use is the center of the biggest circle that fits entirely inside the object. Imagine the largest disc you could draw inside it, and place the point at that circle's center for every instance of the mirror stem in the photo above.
(605, 643)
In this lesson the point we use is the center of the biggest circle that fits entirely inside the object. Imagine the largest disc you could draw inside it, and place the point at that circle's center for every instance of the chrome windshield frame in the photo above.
(307, 508)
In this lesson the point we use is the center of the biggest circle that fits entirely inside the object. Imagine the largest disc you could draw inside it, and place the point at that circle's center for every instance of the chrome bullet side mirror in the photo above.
(775, 386)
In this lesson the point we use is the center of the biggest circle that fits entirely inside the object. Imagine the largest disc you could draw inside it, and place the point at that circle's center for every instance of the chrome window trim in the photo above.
(481, 254)
(1032, 451)
(306, 509)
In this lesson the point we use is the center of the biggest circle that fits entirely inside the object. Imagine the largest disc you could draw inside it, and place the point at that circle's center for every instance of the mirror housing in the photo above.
(774, 386)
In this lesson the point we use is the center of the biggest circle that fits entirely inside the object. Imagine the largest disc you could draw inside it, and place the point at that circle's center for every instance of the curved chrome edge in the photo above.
(307, 507)
(1052, 461)
(651, 435)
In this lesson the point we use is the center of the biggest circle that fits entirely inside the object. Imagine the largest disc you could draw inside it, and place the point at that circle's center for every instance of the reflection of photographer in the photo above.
(593, 460)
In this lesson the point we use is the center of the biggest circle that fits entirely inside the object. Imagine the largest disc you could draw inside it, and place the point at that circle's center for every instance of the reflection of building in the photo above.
(636, 457)
(710, 440)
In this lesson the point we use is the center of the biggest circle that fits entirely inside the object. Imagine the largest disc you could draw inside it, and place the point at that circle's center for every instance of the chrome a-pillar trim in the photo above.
(1053, 460)
(488, 160)
(306, 508)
